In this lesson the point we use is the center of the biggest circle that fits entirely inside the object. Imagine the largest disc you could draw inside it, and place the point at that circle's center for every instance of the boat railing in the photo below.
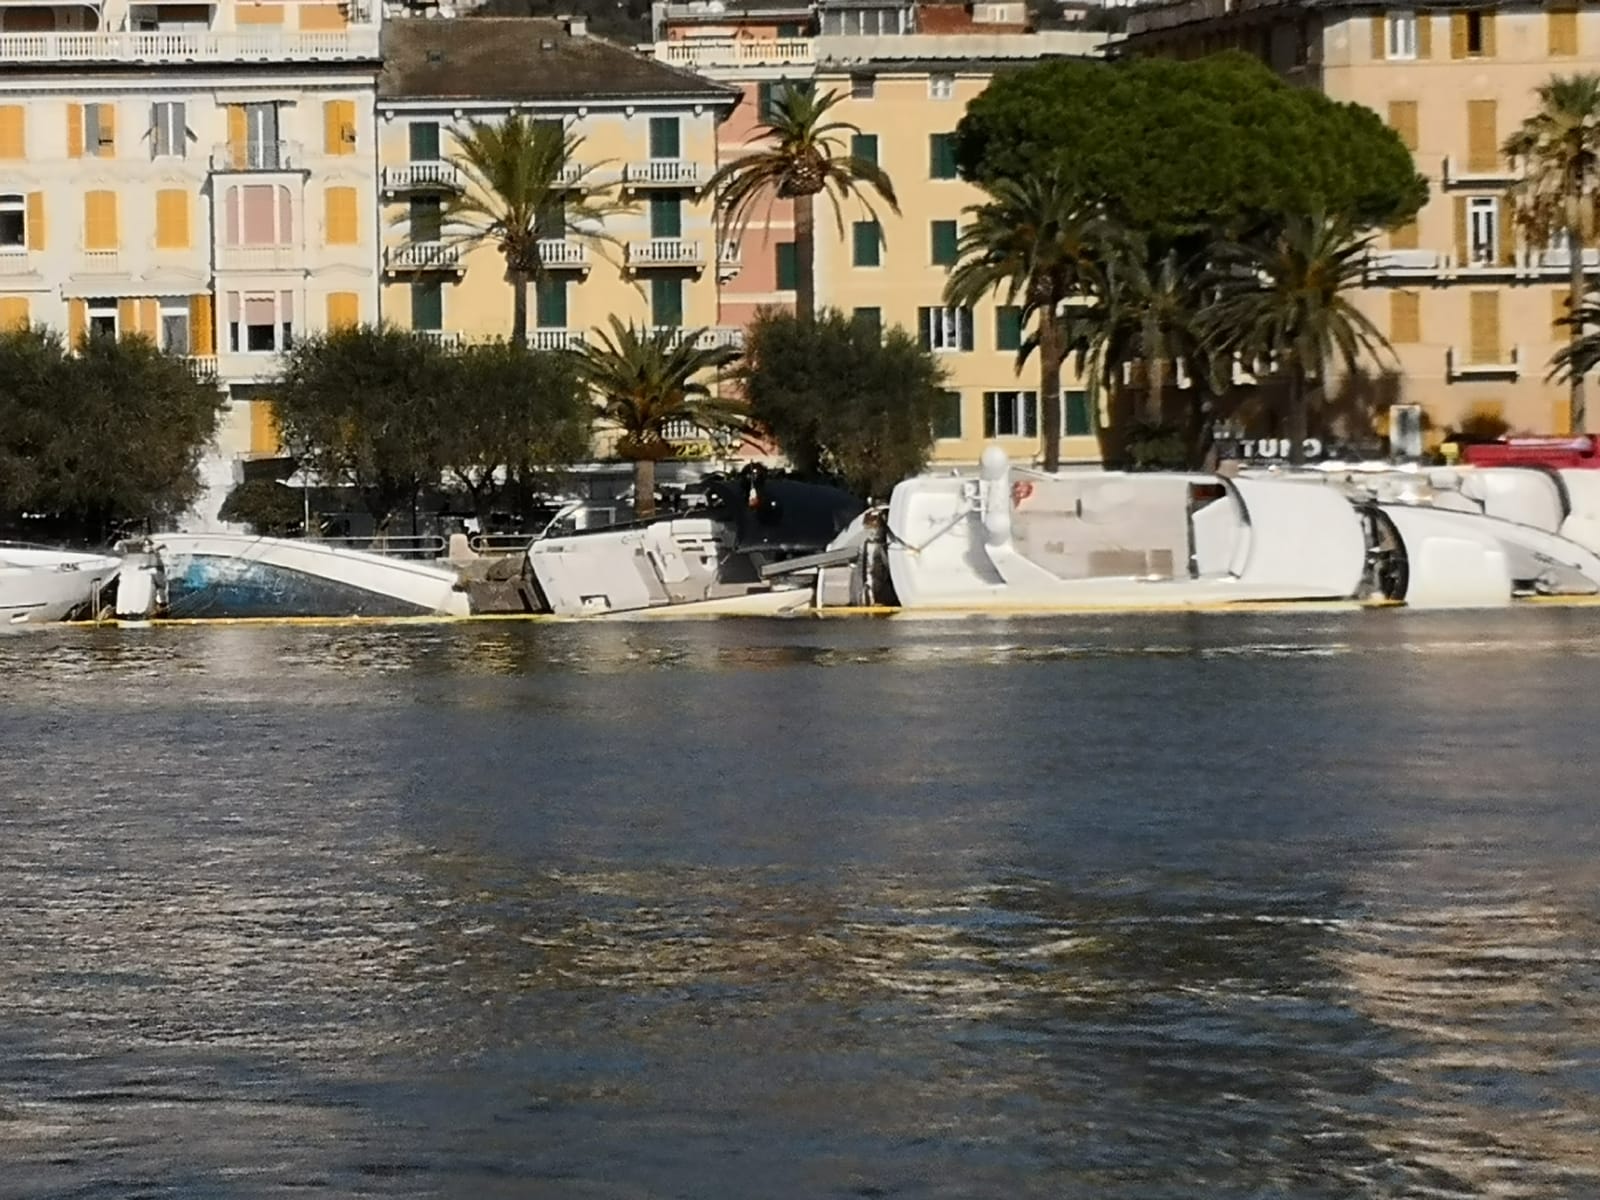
(414, 546)
(499, 543)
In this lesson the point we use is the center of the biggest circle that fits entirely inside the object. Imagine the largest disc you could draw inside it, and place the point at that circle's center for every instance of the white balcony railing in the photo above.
(705, 339)
(736, 52)
(662, 172)
(14, 260)
(204, 46)
(100, 262)
(260, 258)
(203, 367)
(563, 253)
(555, 339)
(665, 252)
(417, 176)
(1458, 173)
(1558, 261)
(422, 256)
(448, 338)
(258, 156)
(1412, 263)
(1505, 365)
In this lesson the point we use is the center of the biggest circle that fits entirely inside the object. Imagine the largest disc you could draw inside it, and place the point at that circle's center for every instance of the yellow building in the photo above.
(649, 140)
(199, 174)
(1468, 304)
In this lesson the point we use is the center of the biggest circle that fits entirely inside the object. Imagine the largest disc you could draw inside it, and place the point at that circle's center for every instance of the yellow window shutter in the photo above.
(1560, 417)
(106, 114)
(128, 315)
(1424, 34)
(74, 131)
(149, 320)
(36, 221)
(13, 139)
(1458, 35)
(1380, 34)
(341, 216)
(1563, 32)
(1405, 318)
(1403, 120)
(1484, 310)
(1558, 314)
(200, 331)
(77, 322)
(172, 219)
(258, 14)
(316, 17)
(339, 127)
(1404, 237)
(100, 220)
(13, 312)
(263, 428)
(344, 310)
(1483, 146)
(1488, 34)
(1461, 230)
(238, 135)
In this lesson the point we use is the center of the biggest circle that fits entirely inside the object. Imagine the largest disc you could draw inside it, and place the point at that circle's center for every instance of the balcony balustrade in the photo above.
(1505, 364)
(260, 258)
(422, 176)
(663, 172)
(555, 339)
(422, 256)
(186, 46)
(564, 254)
(258, 156)
(737, 52)
(665, 252)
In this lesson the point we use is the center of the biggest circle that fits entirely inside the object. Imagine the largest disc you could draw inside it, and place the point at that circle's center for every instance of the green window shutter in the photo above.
(966, 328)
(551, 221)
(947, 415)
(424, 141)
(924, 323)
(664, 137)
(865, 146)
(550, 303)
(666, 301)
(788, 267)
(943, 235)
(427, 219)
(1075, 413)
(869, 318)
(941, 156)
(666, 216)
(764, 101)
(868, 240)
(1030, 414)
(427, 305)
(1007, 327)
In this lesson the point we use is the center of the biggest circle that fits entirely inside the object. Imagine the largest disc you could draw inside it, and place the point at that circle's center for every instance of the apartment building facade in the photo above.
(649, 134)
(202, 175)
(1469, 306)
(905, 72)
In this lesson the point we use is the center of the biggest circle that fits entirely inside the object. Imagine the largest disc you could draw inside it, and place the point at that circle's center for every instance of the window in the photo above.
(863, 87)
(169, 133)
(426, 219)
(666, 301)
(338, 127)
(102, 317)
(771, 94)
(1475, 40)
(424, 136)
(788, 267)
(13, 131)
(427, 305)
(1008, 327)
(942, 235)
(13, 222)
(172, 219)
(257, 214)
(941, 156)
(1483, 230)
(866, 244)
(1402, 34)
(341, 226)
(941, 87)
(99, 128)
(664, 137)
(865, 147)
(260, 322)
(868, 318)
(100, 220)
(1075, 421)
(1010, 414)
(945, 329)
(1562, 39)
(947, 416)
(788, 29)
(173, 332)
(253, 133)
(666, 216)
(550, 303)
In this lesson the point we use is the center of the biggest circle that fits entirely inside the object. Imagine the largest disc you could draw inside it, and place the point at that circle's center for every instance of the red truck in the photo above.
(1554, 452)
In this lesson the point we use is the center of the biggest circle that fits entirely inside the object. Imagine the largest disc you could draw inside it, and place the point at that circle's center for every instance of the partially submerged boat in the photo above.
(39, 585)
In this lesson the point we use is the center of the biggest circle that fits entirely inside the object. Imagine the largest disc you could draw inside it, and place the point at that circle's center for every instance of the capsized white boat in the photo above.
(40, 585)
(1020, 539)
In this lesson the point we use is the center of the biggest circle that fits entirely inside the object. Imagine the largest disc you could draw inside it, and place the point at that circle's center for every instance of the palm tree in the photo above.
(646, 381)
(1582, 354)
(803, 153)
(523, 184)
(1284, 301)
(1558, 191)
(1035, 243)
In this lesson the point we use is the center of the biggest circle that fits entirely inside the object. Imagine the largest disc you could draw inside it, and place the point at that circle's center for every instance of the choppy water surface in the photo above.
(1198, 906)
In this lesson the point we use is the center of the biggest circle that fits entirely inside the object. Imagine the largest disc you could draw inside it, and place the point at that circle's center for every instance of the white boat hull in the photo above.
(41, 586)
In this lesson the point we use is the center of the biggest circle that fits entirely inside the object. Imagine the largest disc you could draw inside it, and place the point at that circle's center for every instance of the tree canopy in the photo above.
(841, 401)
(94, 441)
(1175, 148)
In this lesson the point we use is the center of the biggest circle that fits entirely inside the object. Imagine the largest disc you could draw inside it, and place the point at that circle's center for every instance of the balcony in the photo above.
(1506, 364)
(203, 367)
(555, 339)
(1457, 174)
(1557, 262)
(1406, 264)
(423, 256)
(704, 339)
(205, 46)
(260, 258)
(736, 52)
(562, 254)
(665, 252)
(258, 156)
(450, 339)
(422, 177)
(100, 262)
(15, 260)
(663, 173)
